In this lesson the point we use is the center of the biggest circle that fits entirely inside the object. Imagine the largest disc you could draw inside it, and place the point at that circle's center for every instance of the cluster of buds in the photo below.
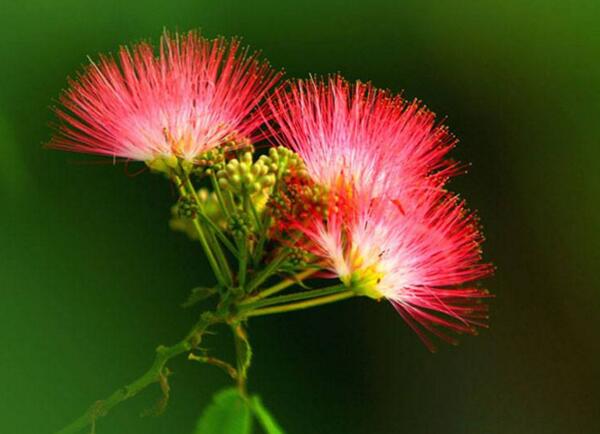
(213, 159)
(285, 163)
(239, 224)
(245, 176)
(299, 199)
(299, 258)
(186, 209)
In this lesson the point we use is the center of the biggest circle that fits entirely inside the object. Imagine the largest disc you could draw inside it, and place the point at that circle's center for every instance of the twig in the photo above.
(231, 371)
(152, 375)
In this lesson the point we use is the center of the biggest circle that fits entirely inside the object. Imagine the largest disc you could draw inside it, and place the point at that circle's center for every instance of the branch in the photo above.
(152, 375)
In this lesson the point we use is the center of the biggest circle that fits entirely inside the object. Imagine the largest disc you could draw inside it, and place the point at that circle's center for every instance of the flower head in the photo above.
(192, 96)
(418, 257)
(355, 134)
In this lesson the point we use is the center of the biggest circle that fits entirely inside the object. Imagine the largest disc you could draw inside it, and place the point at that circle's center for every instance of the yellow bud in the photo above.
(224, 184)
(247, 158)
(247, 178)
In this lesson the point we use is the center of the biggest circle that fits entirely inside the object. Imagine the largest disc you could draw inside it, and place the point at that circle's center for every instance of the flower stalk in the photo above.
(248, 306)
(212, 245)
(284, 284)
(313, 302)
(201, 235)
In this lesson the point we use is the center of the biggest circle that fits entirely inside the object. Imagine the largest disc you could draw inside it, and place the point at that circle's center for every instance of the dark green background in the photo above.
(91, 276)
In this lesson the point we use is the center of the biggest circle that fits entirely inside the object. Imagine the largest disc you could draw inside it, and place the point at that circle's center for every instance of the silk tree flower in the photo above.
(390, 229)
(192, 96)
(418, 257)
(355, 134)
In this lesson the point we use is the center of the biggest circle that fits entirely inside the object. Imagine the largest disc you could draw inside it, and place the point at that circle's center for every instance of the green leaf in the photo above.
(265, 418)
(199, 294)
(228, 414)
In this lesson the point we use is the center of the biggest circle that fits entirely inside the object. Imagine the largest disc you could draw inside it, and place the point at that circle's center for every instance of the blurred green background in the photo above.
(92, 277)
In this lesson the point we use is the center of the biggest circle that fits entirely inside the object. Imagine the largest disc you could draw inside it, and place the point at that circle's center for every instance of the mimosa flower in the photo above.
(417, 257)
(192, 96)
(355, 134)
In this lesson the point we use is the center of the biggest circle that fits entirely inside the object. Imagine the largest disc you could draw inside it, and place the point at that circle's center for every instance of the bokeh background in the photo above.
(91, 277)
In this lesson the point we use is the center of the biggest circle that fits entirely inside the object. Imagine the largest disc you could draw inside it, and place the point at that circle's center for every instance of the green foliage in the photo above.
(229, 413)
(264, 417)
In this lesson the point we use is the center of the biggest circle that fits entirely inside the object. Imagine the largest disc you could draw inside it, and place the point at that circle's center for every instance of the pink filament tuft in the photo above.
(360, 134)
(193, 95)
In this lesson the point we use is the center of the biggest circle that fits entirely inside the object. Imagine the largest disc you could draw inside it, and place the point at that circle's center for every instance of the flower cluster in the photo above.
(391, 229)
(354, 187)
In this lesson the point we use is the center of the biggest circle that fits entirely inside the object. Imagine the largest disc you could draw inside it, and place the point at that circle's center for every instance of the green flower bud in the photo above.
(244, 175)
(163, 163)
(186, 209)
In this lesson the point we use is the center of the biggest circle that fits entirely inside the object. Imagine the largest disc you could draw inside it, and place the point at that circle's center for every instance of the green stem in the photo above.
(267, 271)
(243, 262)
(152, 375)
(302, 304)
(245, 306)
(243, 356)
(209, 254)
(217, 247)
(201, 236)
(249, 204)
(224, 264)
(219, 233)
(229, 202)
(260, 245)
(286, 283)
(219, 193)
(209, 236)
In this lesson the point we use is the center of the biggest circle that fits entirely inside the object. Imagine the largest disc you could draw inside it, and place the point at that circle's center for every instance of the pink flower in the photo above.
(391, 230)
(356, 134)
(194, 95)
(418, 257)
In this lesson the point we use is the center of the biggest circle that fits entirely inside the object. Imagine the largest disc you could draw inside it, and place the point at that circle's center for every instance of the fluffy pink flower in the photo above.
(193, 95)
(391, 230)
(356, 134)
(419, 258)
